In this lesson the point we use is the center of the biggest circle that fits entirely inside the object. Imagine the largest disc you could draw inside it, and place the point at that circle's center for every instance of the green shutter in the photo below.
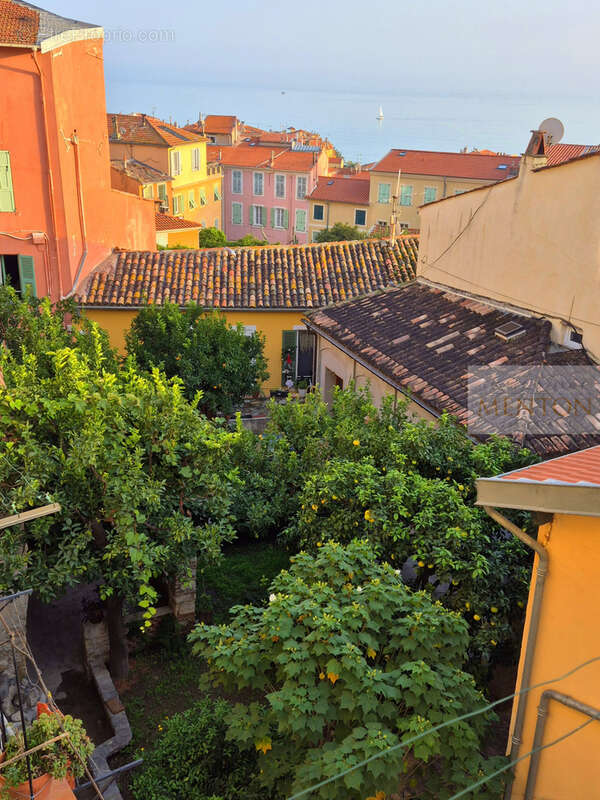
(272, 217)
(251, 213)
(27, 274)
(288, 345)
(286, 219)
(7, 198)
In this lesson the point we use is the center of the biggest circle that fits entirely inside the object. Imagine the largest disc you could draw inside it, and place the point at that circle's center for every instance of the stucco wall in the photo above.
(533, 241)
(568, 635)
(335, 212)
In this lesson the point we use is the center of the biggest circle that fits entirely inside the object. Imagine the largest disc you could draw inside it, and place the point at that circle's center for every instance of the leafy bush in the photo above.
(352, 662)
(203, 350)
(339, 232)
(193, 758)
(211, 237)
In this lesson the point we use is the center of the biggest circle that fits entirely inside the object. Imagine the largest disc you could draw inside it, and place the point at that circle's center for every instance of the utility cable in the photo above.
(413, 739)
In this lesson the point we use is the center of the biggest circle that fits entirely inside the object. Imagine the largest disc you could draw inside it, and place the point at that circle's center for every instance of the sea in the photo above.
(425, 121)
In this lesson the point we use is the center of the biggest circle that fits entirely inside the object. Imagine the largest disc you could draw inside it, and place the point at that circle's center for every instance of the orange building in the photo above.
(59, 216)
(555, 727)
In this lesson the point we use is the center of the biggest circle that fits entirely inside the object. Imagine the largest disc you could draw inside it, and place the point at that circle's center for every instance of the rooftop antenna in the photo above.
(394, 209)
(553, 128)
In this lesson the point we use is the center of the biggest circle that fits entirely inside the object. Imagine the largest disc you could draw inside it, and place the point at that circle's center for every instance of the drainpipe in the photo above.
(538, 738)
(536, 608)
(75, 143)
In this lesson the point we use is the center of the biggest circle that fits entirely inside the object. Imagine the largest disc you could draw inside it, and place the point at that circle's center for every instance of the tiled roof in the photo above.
(139, 171)
(215, 123)
(289, 277)
(425, 338)
(25, 24)
(255, 156)
(164, 222)
(142, 129)
(559, 153)
(452, 165)
(342, 190)
(572, 469)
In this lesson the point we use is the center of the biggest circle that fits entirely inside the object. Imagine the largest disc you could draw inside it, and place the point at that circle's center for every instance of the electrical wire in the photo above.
(413, 739)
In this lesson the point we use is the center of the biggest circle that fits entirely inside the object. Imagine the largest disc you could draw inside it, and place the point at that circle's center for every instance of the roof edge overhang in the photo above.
(71, 35)
(552, 498)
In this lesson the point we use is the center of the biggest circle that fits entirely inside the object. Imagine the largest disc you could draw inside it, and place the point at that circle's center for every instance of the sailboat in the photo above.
(380, 115)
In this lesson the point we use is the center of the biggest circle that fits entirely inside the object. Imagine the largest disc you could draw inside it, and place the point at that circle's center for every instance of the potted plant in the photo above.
(54, 767)
(302, 386)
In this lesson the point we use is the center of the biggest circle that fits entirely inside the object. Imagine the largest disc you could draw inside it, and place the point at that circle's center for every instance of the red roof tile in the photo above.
(164, 222)
(18, 24)
(452, 165)
(262, 278)
(246, 155)
(342, 190)
(573, 469)
(142, 129)
(559, 153)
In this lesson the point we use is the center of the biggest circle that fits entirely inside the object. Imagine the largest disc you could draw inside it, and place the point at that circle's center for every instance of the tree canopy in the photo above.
(211, 237)
(339, 232)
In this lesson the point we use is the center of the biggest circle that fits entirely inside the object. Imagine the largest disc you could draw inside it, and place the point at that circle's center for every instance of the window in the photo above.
(301, 187)
(403, 226)
(7, 198)
(147, 191)
(258, 216)
(279, 218)
(318, 212)
(178, 204)
(191, 199)
(384, 192)
(300, 220)
(175, 162)
(249, 330)
(360, 216)
(236, 181)
(298, 349)
(236, 213)
(217, 224)
(202, 197)
(196, 159)
(314, 236)
(259, 183)
(406, 195)
(216, 193)
(280, 186)
(162, 193)
(19, 272)
(430, 194)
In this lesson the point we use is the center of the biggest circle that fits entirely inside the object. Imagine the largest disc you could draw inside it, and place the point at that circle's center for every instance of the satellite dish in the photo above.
(554, 129)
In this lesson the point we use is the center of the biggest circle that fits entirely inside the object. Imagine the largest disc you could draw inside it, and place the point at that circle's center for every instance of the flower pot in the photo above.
(44, 788)
(302, 393)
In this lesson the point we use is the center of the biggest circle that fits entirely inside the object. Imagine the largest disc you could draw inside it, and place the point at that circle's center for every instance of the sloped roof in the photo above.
(425, 339)
(573, 469)
(25, 24)
(560, 152)
(475, 166)
(342, 190)
(142, 129)
(255, 156)
(165, 222)
(268, 278)
(138, 170)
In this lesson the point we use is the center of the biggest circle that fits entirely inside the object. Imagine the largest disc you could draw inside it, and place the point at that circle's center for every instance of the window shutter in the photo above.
(27, 274)
(7, 198)
(272, 217)
(251, 215)
(286, 219)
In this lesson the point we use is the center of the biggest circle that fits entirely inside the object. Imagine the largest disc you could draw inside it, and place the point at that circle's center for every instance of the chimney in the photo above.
(536, 153)
(272, 164)
(116, 133)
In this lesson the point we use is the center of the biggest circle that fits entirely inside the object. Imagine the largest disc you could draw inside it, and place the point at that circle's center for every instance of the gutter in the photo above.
(538, 738)
(536, 608)
(75, 142)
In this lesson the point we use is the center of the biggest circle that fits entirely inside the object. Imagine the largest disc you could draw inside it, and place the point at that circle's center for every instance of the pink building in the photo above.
(265, 191)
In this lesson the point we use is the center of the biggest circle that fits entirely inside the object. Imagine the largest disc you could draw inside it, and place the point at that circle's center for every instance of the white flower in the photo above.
(359, 588)
(397, 571)
(272, 598)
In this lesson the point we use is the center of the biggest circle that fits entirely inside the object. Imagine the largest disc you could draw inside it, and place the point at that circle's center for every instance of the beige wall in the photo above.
(332, 213)
(445, 187)
(332, 360)
(533, 241)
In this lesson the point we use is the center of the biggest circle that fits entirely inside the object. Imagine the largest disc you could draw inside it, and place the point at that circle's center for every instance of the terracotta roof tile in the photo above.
(18, 24)
(342, 190)
(142, 129)
(425, 338)
(572, 469)
(560, 152)
(165, 222)
(291, 276)
(452, 165)
(139, 171)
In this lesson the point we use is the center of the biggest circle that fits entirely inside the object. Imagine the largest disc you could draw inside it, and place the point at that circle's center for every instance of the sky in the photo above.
(510, 49)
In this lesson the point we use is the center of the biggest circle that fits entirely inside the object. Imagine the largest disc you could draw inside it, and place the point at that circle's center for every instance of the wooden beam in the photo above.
(27, 516)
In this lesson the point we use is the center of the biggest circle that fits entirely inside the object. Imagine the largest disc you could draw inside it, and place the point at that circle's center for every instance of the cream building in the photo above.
(339, 199)
(417, 177)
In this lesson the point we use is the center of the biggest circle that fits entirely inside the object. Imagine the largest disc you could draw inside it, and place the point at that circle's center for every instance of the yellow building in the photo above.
(266, 289)
(339, 199)
(561, 633)
(176, 232)
(416, 177)
(196, 188)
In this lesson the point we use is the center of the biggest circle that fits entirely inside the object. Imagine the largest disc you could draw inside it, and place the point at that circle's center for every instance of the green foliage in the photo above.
(194, 759)
(248, 241)
(211, 237)
(136, 469)
(352, 662)
(242, 576)
(57, 759)
(203, 350)
(339, 232)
